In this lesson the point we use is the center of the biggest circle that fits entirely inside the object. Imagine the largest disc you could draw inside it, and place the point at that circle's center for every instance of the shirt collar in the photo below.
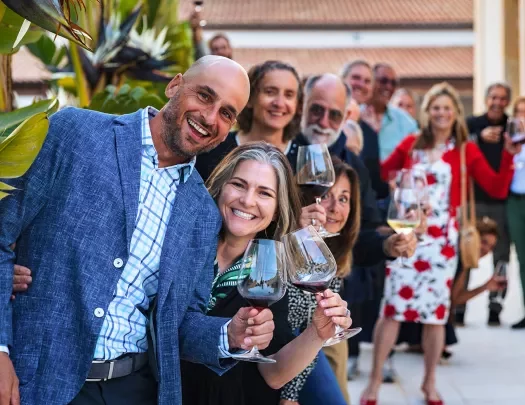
(185, 169)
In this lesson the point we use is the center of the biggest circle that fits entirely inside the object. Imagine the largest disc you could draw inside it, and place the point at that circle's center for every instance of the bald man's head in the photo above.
(204, 104)
(325, 102)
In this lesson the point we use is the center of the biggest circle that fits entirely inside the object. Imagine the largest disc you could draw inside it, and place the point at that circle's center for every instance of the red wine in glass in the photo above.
(261, 282)
(315, 287)
(313, 191)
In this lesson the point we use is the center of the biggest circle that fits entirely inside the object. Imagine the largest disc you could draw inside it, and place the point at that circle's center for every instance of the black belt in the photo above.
(109, 369)
(518, 196)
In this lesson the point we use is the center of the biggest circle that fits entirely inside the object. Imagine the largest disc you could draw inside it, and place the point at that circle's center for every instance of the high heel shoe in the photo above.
(434, 402)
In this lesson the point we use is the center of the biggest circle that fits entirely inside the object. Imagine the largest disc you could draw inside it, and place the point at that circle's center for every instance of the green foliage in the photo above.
(9, 121)
(125, 100)
(10, 26)
(19, 150)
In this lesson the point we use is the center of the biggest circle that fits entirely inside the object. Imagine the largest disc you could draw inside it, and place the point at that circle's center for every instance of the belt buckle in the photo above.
(110, 374)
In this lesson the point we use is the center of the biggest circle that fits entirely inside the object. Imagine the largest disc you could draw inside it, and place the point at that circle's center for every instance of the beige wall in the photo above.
(499, 49)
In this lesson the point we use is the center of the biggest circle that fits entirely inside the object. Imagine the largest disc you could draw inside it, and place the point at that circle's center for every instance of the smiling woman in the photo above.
(256, 194)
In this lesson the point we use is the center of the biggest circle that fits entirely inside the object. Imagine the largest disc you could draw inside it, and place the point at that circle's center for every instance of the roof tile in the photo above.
(454, 62)
(223, 13)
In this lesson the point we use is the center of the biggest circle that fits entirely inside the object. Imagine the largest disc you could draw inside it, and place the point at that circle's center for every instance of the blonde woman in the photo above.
(422, 294)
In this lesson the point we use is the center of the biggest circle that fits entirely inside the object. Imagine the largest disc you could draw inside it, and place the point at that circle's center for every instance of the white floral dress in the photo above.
(422, 293)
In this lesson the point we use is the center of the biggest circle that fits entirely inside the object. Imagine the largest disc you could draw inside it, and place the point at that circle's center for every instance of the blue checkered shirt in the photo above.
(125, 324)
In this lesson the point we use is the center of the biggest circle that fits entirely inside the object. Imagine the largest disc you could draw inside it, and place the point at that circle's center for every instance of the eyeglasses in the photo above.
(385, 80)
(318, 112)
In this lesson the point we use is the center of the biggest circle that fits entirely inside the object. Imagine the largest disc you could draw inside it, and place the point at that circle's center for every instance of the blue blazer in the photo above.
(72, 216)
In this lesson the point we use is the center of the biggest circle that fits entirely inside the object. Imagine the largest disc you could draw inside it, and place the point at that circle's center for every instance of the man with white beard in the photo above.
(326, 98)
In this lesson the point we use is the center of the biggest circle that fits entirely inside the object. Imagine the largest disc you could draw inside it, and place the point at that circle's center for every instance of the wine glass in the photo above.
(311, 267)
(199, 6)
(404, 211)
(500, 271)
(315, 176)
(262, 282)
(420, 183)
(516, 130)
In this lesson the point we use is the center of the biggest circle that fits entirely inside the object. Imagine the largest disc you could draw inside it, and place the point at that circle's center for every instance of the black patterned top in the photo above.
(301, 306)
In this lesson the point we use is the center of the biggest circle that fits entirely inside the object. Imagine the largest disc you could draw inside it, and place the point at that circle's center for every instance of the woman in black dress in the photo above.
(255, 191)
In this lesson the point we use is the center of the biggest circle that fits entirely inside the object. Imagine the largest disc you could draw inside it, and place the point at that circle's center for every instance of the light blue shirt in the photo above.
(518, 181)
(395, 126)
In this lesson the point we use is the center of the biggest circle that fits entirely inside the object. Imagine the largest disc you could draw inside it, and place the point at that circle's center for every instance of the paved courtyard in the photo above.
(488, 366)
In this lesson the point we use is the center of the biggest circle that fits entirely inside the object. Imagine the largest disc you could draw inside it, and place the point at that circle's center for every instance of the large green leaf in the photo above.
(19, 150)
(9, 121)
(10, 26)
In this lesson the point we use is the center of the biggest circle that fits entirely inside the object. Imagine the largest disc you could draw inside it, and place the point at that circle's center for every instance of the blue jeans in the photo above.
(321, 386)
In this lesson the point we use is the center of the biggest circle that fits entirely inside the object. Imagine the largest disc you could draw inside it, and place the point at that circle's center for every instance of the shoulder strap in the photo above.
(463, 174)
(468, 216)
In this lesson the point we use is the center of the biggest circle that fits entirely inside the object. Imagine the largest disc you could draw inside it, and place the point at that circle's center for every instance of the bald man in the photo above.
(113, 221)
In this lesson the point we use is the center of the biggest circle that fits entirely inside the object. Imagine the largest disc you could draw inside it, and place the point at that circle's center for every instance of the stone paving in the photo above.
(488, 365)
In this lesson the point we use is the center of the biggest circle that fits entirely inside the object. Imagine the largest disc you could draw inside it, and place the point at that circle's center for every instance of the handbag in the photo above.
(469, 239)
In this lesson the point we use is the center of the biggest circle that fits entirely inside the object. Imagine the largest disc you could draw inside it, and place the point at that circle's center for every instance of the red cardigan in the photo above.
(495, 184)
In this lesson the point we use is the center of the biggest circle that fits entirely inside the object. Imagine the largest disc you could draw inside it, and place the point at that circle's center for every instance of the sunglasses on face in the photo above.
(385, 80)
(318, 111)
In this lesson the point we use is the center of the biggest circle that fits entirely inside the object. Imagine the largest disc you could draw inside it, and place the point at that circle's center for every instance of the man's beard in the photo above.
(172, 131)
(329, 136)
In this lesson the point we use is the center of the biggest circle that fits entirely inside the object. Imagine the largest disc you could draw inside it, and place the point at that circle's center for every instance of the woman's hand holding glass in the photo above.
(313, 214)
(331, 312)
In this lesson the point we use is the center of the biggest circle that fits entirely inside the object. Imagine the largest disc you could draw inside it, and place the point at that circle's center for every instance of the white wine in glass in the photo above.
(404, 211)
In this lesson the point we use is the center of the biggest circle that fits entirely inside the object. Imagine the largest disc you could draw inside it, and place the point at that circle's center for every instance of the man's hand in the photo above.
(287, 402)
(251, 327)
(195, 23)
(330, 311)
(9, 394)
(491, 134)
(399, 245)
(21, 279)
(495, 283)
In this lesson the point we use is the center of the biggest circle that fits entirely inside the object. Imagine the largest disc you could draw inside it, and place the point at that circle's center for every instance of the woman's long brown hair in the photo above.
(342, 245)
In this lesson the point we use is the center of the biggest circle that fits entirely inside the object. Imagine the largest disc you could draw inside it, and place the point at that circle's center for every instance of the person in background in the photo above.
(218, 45)
(516, 206)
(487, 131)
(358, 75)
(354, 136)
(421, 293)
(406, 100)
(391, 124)
(518, 109)
(383, 127)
